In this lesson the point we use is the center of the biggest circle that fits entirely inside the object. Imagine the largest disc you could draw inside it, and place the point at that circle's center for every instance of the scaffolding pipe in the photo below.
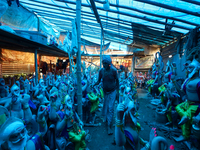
(79, 92)
(36, 68)
(101, 48)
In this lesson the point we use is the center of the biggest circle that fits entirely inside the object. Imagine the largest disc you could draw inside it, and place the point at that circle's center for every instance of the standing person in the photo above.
(109, 77)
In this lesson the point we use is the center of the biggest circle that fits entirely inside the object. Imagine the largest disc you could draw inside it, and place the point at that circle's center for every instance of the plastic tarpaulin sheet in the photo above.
(18, 18)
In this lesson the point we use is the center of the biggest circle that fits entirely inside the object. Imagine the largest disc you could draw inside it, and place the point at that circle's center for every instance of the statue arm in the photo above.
(84, 87)
(61, 124)
(179, 90)
(52, 113)
(120, 137)
(27, 112)
(36, 92)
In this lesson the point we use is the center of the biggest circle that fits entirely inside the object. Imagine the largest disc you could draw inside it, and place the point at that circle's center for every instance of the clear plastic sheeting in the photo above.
(46, 28)
(3, 7)
(118, 17)
(19, 18)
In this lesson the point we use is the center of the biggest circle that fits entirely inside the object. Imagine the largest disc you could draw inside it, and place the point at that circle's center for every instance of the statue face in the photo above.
(166, 78)
(59, 78)
(2, 81)
(41, 83)
(15, 90)
(18, 137)
(191, 69)
(68, 102)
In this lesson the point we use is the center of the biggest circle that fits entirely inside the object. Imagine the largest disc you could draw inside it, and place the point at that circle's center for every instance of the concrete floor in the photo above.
(101, 141)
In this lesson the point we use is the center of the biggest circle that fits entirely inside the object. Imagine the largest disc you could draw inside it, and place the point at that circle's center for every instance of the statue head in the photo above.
(59, 79)
(186, 64)
(2, 82)
(167, 77)
(41, 83)
(14, 134)
(168, 66)
(26, 82)
(155, 67)
(15, 90)
(107, 61)
(17, 83)
(193, 68)
(68, 102)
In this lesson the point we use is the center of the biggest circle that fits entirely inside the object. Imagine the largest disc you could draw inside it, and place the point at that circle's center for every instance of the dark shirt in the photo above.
(109, 78)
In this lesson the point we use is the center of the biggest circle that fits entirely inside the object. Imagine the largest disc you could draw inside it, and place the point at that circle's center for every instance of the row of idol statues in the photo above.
(43, 116)
(178, 98)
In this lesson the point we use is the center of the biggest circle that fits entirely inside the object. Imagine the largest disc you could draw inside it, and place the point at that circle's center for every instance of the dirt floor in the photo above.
(99, 140)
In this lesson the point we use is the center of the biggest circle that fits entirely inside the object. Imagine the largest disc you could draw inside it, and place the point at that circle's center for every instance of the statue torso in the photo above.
(191, 90)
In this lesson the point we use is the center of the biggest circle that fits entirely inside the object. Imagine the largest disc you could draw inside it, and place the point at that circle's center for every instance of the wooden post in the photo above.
(36, 68)
(78, 58)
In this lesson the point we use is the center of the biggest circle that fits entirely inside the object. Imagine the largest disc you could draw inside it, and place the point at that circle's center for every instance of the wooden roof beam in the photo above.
(169, 7)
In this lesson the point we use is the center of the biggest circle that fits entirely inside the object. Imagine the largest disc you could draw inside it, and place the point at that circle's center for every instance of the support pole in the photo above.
(36, 68)
(103, 45)
(133, 64)
(79, 92)
(101, 48)
(1, 62)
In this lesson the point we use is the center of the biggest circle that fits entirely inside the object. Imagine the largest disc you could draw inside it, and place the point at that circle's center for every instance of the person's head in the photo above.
(107, 61)
(193, 68)
(13, 134)
(15, 91)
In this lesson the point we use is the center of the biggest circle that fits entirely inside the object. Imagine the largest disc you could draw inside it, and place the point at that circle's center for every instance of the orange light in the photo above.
(72, 120)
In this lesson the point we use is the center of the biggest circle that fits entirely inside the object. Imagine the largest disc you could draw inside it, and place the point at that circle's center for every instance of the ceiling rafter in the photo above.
(169, 7)
(130, 33)
(111, 19)
(131, 15)
(148, 33)
(192, 2)
(122, 13)
(152, 14)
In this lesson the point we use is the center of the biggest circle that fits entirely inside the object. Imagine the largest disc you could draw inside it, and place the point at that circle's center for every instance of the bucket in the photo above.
(160, 116)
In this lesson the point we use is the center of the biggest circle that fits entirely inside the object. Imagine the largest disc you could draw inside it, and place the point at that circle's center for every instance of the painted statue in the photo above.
(190, 108)
(41, 93)
(14, 134)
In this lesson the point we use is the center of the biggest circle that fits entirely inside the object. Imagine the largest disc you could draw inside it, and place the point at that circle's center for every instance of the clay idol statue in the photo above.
(14, 135)
(41, 93)
(190, 108)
